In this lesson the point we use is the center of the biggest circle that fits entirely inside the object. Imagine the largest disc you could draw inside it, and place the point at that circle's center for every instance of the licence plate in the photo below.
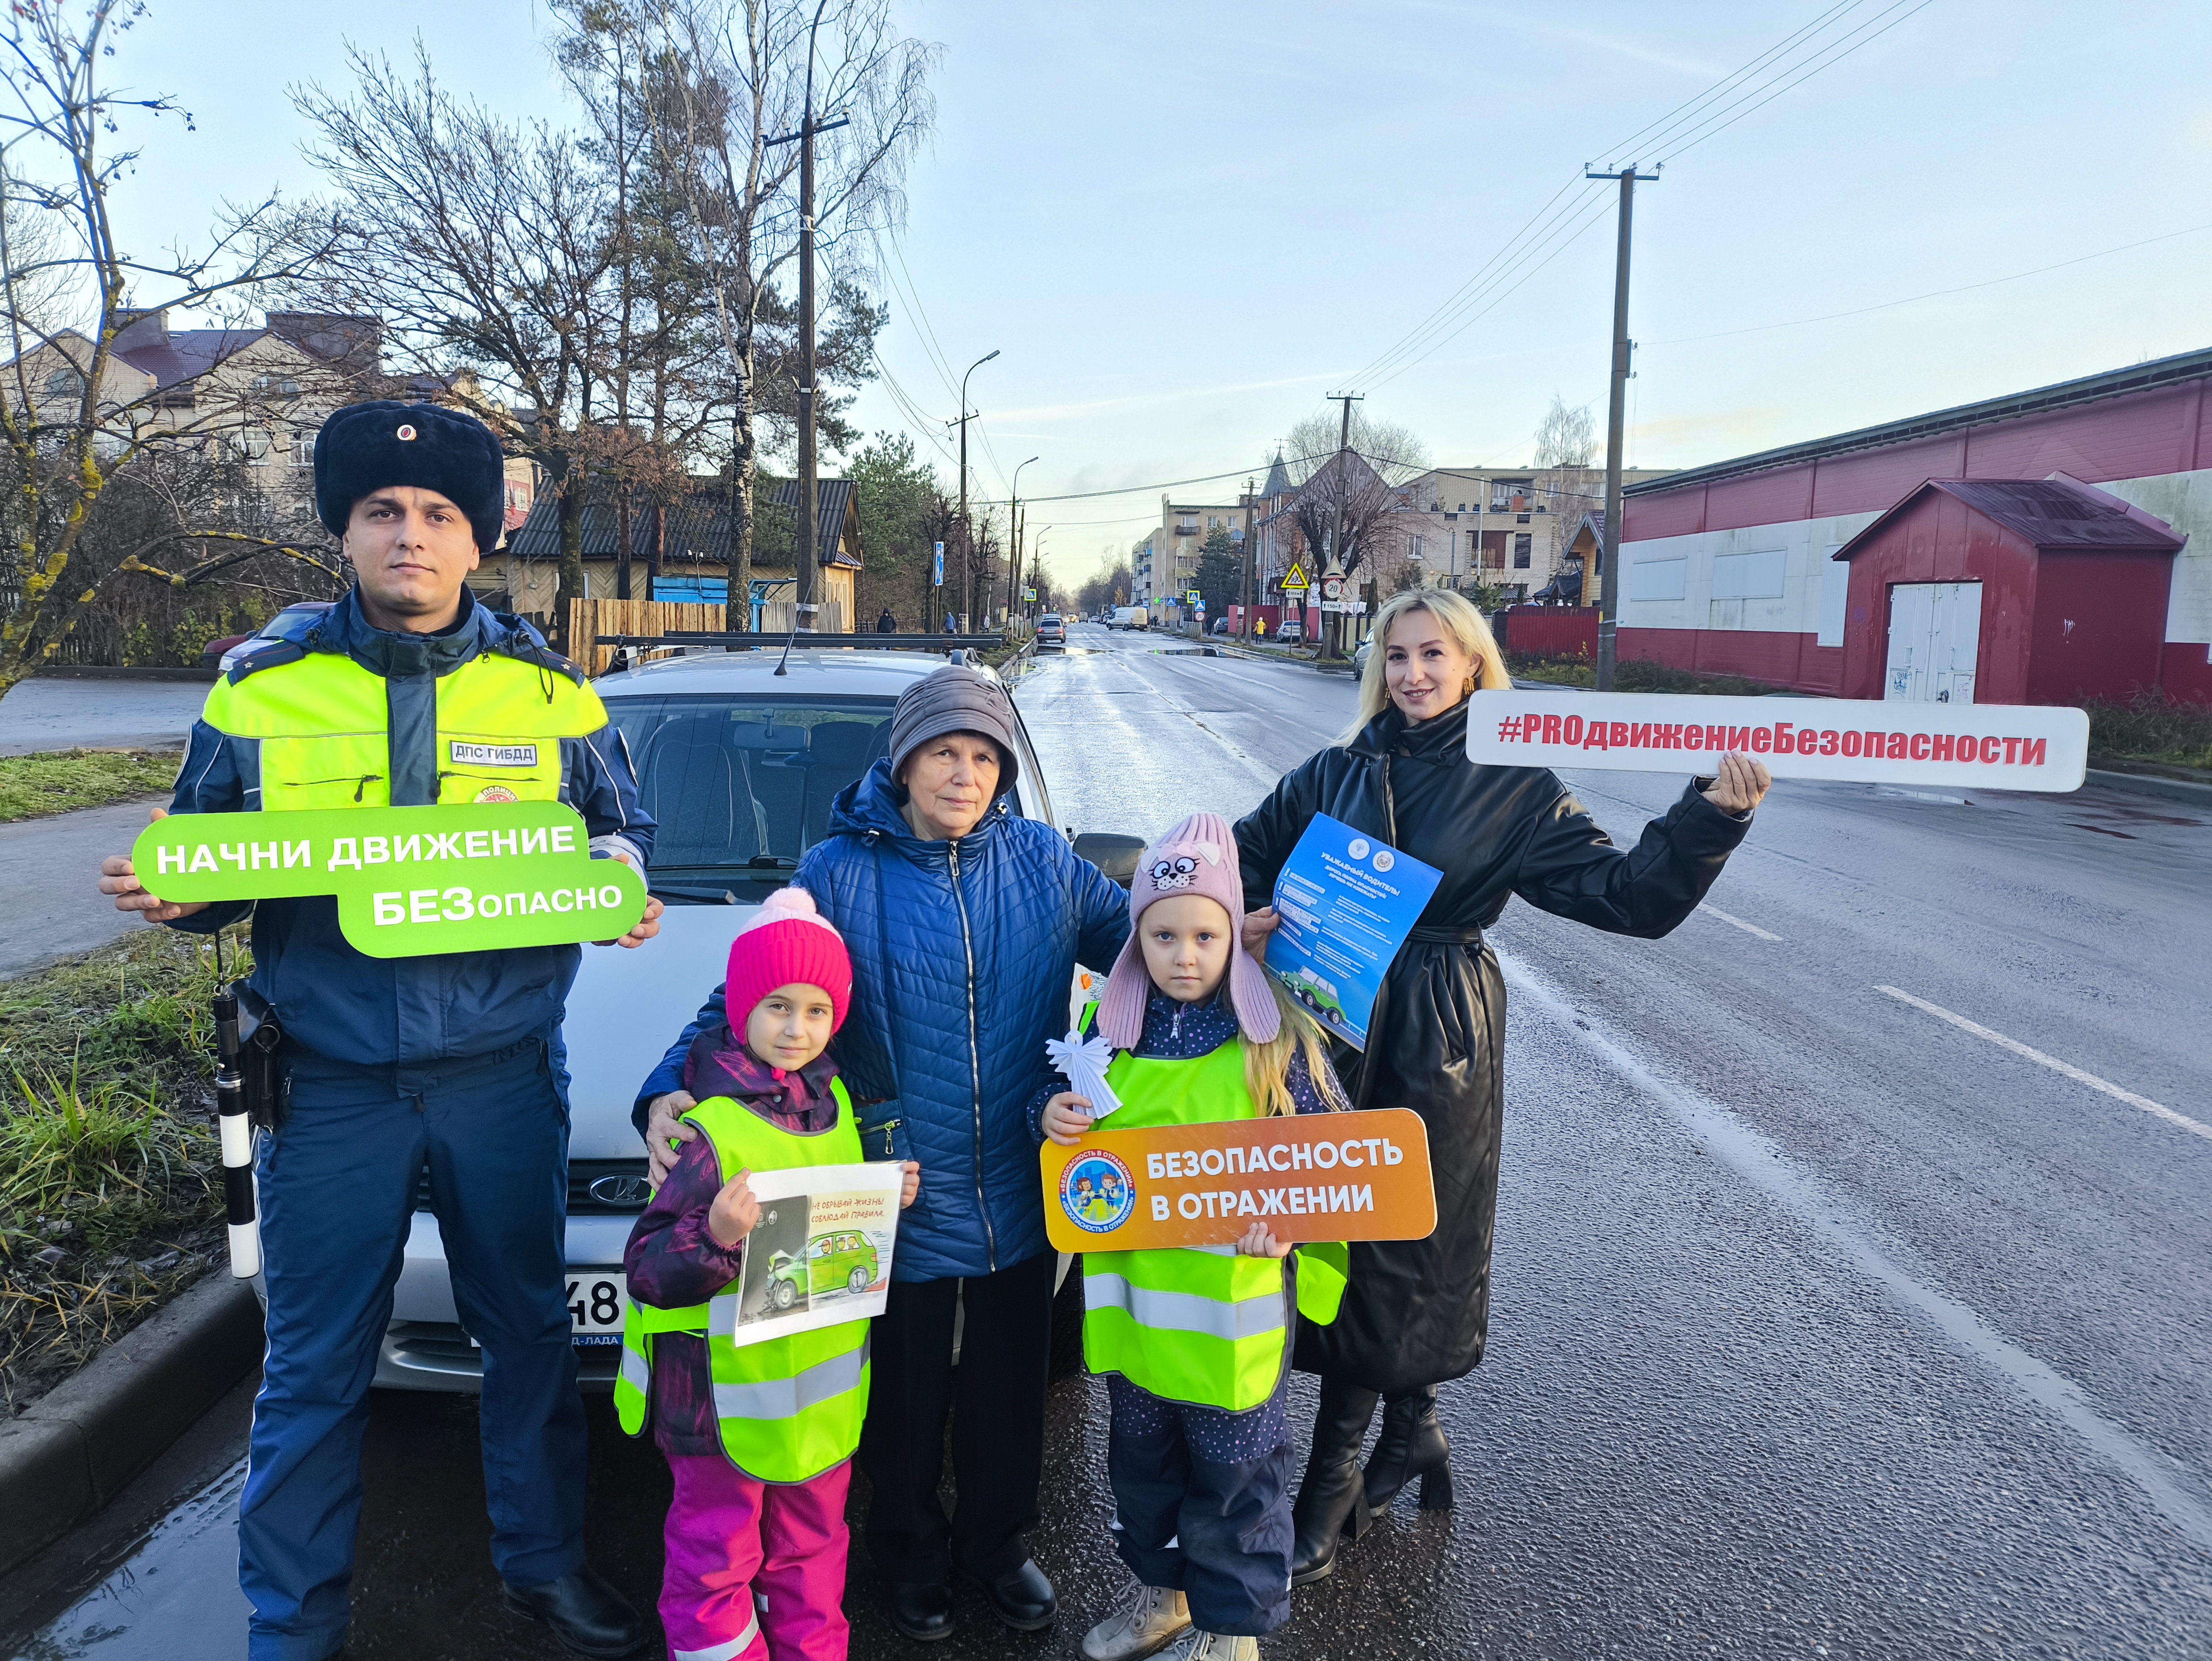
(596, 1298)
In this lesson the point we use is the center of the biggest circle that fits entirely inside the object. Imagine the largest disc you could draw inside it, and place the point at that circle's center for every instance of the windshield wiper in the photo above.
(705, 896)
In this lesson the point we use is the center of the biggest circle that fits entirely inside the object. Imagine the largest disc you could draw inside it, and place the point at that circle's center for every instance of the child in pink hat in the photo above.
(755, 1536)
(1195, 1344)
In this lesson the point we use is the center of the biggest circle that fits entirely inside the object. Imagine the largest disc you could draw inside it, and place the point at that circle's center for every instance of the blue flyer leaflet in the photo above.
(1346, 903)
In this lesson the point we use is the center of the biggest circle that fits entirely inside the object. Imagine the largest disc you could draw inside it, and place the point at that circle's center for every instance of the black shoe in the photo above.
(587, 1615)
(922, 1609)
(1331, 1500)
(1412, 1445)
(1022, 1598)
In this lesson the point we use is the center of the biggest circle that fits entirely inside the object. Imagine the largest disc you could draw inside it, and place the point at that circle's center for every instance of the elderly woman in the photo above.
(965, 922)
(1416, 1312)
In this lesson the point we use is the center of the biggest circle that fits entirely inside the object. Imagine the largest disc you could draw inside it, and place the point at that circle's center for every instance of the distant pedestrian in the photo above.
(1259, 628)
(1194, 1343)
(887, 624)
(755, 1535)
(1416, 1312)
(951, 625)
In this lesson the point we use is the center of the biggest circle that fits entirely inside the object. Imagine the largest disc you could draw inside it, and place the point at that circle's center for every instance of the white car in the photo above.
(739, 766)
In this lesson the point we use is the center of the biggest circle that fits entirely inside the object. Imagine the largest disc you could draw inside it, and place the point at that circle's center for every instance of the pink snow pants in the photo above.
(756, 1570)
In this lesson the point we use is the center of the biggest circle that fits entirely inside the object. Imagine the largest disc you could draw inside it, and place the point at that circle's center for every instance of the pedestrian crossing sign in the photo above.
(1294, 581)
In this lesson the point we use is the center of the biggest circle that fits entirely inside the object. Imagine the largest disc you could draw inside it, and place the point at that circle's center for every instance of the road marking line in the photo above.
(1748, 928)
(2053, 1064)
(1759, 1160)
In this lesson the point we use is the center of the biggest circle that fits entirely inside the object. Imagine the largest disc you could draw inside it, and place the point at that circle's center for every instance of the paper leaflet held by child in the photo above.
(820, 1253)
(1084, 1062)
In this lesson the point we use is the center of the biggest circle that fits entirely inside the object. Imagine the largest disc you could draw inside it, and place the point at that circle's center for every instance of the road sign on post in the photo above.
(1294, 581)
(937, 577)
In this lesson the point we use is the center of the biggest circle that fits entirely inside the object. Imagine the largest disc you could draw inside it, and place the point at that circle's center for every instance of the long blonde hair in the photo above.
(1456, 616)
(1267, 1066)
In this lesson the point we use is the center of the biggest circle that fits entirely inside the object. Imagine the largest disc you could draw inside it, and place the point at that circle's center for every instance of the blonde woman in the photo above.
(1415, 1312)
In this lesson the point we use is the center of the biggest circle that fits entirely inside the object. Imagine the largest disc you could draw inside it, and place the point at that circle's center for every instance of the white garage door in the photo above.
(1935, 631)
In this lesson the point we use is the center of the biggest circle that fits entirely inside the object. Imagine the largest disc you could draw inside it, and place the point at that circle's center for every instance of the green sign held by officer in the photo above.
(410, 881)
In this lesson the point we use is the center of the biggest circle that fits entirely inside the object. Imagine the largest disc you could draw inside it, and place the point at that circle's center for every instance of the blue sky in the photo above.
(1182, 224)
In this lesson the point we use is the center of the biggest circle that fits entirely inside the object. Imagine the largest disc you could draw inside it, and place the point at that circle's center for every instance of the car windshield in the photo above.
(741, 787)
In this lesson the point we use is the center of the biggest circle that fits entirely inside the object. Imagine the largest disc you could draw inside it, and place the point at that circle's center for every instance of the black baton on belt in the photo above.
(237, 1139)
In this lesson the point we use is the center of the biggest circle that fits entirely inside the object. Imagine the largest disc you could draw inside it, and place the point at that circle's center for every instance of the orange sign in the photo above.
(1314, 1176)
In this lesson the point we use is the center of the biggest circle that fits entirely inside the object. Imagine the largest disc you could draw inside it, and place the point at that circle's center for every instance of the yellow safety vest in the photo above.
(1201, 1325)
(788, 1409)
(322, 723)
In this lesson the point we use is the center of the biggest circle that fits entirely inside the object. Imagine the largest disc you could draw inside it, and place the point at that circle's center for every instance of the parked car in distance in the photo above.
(1220, 626)
(1051, 630)
(1131, 616)
(1292, 630)
(739, 768)
(220, 654)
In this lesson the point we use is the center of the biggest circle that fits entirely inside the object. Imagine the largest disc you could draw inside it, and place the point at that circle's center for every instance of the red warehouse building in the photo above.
(2034, 549)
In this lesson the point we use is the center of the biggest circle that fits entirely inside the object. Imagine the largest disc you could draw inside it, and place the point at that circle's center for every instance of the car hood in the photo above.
(625, 1011)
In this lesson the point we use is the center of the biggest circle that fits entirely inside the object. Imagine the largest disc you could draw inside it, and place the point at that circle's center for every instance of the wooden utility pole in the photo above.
(1609, 573)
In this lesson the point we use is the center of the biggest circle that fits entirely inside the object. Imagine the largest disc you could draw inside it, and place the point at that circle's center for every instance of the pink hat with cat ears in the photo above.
(1198, 856)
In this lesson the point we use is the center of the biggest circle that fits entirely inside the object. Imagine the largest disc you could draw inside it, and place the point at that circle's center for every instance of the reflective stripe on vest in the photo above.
(1207, 1327)
(322, 726)
(788, 1409)
(731, 1651)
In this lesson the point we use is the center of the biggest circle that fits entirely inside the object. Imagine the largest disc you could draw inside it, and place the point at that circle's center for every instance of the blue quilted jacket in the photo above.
(963, 955)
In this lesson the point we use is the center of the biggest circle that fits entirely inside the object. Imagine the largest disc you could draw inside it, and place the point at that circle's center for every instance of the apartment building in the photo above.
(1512, 528)
(1164, 566)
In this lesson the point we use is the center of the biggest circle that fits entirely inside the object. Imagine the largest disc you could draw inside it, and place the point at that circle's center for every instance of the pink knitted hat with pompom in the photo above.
(787, 942)
(1198, 856)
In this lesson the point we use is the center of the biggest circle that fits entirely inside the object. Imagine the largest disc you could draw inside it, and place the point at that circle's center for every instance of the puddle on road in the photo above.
(173, 1591)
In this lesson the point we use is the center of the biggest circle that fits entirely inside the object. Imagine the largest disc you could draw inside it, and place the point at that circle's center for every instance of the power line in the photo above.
(1806, 52)
(1163, 484)
(1933, 294)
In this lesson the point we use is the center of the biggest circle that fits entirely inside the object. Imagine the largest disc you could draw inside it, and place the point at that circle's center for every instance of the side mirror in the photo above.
(1116, 855)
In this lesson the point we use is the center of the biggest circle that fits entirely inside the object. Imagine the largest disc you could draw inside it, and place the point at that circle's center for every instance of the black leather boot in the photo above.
(1332, 1502)
(589, 1616)
(1412, 1445)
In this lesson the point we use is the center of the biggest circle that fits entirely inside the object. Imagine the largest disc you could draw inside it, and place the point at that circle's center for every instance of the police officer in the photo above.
(407, 692)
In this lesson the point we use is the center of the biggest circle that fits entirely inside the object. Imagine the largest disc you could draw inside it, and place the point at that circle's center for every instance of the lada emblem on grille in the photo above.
(622, 1191)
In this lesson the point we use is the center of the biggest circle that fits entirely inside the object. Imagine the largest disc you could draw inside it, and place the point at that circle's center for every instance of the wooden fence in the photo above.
(590, 619)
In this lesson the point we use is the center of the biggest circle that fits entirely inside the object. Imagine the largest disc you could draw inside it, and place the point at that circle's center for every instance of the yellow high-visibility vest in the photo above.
(788, 1409)
(1202, 1325)
(322, 723)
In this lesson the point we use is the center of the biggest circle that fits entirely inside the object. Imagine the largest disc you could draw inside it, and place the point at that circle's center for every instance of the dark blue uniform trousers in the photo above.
(1201, 1504)
(337, 1191)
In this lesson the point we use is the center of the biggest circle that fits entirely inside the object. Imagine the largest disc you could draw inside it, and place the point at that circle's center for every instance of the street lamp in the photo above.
(1013, 538)
(964, 418)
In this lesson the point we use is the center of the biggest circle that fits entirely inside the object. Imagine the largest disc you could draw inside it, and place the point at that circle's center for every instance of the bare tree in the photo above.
(487, 248)
(735, 80)
(1396, 453)
(1566, 437)
(74, 416)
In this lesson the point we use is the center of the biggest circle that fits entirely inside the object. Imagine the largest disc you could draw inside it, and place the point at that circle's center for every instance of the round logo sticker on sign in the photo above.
(1384, 859)
(1095, 1193)
(497, 793)
(1358, 848)
(404, 434)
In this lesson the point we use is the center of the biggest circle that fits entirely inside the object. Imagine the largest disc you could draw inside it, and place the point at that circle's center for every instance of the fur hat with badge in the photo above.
(1198, 856)
(366, 447)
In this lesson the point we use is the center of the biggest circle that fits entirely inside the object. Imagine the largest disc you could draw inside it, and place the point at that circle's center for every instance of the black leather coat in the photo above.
(1416, 1311)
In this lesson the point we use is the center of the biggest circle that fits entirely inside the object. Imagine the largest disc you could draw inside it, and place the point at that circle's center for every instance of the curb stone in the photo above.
(73, 1449)
(2151, 784)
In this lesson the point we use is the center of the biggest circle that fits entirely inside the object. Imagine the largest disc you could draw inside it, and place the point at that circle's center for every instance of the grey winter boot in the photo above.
(1150, 1618)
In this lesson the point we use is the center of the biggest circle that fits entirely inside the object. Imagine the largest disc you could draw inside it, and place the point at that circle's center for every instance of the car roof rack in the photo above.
(676, 637)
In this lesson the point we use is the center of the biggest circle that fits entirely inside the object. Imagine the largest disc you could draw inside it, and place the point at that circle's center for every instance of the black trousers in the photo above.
(995, 1399)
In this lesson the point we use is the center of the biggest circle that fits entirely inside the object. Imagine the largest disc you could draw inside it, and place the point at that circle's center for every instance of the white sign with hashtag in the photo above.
(1993, 746)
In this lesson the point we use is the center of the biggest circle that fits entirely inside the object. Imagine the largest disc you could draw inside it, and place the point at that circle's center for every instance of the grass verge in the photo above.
(2152, 728)
(1630, 675)
(59, 780)
(111, 1177)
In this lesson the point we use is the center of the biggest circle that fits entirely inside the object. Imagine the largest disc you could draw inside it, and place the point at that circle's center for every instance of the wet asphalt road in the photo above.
(1824, 1326)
